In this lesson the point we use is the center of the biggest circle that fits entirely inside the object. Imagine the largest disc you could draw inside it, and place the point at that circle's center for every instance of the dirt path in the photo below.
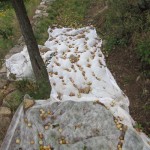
(126, 69)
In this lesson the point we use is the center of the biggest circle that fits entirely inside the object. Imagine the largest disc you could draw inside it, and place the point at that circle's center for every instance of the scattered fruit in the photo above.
(63, 141)
(119, 126)
(49, 113)
(46, 127)
(60, 130)
(32, 142)
(17, 141)
(71, 94)
(29, 125)
(41, 142)
(25, 120)
(120, 129)
(40, 135)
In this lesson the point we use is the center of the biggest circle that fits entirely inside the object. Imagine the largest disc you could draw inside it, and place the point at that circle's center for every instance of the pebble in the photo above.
(28, 103)
(5, 111)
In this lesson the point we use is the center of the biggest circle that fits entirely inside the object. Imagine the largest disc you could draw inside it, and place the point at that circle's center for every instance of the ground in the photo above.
(126, 69)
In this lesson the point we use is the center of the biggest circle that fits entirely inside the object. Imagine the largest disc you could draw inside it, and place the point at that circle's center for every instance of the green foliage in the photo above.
(147, 107)
(6, 32)
(6, 29)
(128, 79)
(138, 126)
(122, 20)
(4, 4)
(26, 86)
(41, 30)
(127, 23)
(68, 13)
(31, 6)
(113, 42)
(9, 28)
(143, 49)
(14, 101)
(84, 148)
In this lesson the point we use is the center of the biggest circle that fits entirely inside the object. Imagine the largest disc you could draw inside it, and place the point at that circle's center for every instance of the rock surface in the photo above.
(70, 126)
(4, 111)
(4, 124)
(27, 102)
(2, 83)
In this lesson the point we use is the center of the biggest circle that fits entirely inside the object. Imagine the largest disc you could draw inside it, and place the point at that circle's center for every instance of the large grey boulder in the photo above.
(70, 126)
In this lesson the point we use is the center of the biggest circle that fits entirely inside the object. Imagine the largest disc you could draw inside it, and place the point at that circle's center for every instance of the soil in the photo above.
(126, 69)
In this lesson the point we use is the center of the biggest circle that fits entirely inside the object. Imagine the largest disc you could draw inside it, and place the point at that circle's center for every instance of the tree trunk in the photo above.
(38, 65)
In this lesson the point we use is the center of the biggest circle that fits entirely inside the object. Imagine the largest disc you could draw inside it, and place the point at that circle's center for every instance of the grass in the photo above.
(14, 101)
(127, 25)
(31, 6)
(26, 86)
(147, 107)
(9, 27)
(6, 32)
(138, 127)
(68, 13)
(127, 79)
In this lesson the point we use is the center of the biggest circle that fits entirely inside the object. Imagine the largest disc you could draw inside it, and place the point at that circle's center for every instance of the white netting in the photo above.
(77, 71)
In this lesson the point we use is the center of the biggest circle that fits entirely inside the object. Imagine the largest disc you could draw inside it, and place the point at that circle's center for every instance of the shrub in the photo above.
(14, 101)
(9, 28)
(143, 49)
(26, 86)
(68, 13)
(127, 23)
